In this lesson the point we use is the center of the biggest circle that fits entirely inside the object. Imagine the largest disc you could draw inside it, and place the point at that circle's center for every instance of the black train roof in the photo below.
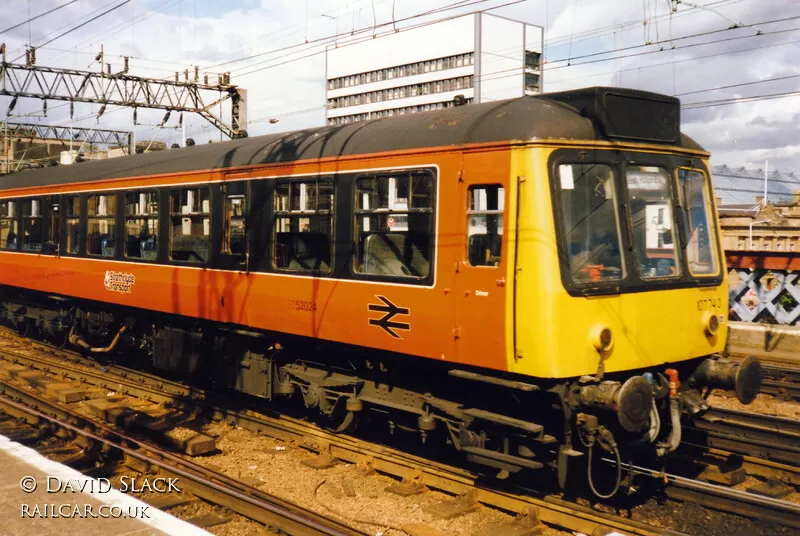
(569, 115)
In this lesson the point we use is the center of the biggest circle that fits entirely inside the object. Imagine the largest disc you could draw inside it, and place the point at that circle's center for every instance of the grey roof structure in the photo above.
(739, 186)
(567, 115)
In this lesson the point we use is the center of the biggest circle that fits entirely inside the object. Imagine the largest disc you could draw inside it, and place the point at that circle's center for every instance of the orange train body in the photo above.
(322, 307)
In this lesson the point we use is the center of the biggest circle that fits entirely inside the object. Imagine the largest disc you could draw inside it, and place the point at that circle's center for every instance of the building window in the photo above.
(485, 224)
(101, 228)
(303, 228)
(190, 224)
(532, 60)
(394, 224)
(9, 225)
(141, 225)
(531, 82)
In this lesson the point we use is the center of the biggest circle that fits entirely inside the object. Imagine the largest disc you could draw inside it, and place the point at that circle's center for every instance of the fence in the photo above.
(764, 286)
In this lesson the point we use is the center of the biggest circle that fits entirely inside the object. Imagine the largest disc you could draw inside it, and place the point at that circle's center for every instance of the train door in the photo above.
(480, 299)
(51, 239)
(233, 254)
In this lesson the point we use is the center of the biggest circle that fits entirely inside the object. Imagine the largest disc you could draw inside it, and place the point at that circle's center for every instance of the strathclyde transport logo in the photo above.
(119, 282)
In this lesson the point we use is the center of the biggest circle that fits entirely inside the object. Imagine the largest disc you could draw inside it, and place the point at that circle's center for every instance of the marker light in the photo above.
(601, 338)
(710, 323)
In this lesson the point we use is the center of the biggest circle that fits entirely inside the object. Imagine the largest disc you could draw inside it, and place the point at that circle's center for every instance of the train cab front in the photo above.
(632, 300)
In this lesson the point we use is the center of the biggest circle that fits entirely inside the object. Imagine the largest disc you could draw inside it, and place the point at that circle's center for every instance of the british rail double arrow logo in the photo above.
(385, 322)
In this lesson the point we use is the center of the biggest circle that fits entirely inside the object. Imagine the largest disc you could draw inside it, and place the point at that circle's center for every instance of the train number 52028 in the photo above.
(303, 305)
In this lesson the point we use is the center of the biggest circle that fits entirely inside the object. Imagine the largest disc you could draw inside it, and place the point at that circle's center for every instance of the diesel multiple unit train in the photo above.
(529, 280)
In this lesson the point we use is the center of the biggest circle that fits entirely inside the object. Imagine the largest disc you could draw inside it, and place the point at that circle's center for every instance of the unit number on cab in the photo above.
(709, 303)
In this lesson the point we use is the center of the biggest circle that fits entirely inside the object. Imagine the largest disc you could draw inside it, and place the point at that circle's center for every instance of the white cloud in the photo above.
(166, 36)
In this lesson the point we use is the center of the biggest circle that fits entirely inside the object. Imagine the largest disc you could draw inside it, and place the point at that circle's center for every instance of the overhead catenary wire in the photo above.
(81, 25)
(673, 39)
(31, 19)
(690, 45)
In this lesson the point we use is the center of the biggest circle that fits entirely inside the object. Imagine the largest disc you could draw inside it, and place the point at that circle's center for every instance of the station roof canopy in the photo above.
(740, 186)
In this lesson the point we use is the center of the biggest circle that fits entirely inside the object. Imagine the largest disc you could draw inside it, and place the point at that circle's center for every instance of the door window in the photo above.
(9, 225)
(485, 224)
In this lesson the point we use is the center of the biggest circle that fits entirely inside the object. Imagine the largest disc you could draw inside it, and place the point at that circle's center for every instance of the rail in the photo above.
(201, 481)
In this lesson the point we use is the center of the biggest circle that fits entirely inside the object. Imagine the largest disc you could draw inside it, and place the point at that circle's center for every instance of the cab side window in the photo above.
(485, 205)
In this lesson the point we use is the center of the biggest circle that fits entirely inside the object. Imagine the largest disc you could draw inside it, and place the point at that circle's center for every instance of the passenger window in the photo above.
(651, 218)
(190, 229)
(303, 229)
(591, 222)
(31, 225)
(233, 238)
(73, 208)
(101, 229)
(394, 224)
(485, 224)
(52, 244)
(9, 225)
(141, 225)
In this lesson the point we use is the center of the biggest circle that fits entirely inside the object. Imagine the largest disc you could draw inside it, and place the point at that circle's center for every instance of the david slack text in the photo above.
(127, 484)
(103, 511)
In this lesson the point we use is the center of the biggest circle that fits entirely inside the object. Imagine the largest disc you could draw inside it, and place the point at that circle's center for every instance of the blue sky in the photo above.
(168, 35)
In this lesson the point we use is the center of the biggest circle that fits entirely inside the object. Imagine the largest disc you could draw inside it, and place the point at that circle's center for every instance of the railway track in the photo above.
(202, 482)
(402, 465)
(751, 434)
(778, 349)
(551, 510)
